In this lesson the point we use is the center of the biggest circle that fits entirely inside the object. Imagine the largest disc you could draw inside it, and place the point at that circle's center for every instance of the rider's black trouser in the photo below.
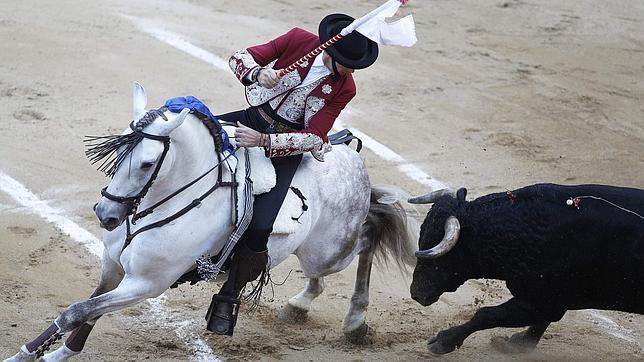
(267, 205)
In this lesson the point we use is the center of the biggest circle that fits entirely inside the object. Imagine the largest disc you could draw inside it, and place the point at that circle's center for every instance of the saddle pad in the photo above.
(262, 171)
(264, 179)
(291, 208)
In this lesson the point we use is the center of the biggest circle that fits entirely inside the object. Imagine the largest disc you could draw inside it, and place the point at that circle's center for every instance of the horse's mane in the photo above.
(106, 148)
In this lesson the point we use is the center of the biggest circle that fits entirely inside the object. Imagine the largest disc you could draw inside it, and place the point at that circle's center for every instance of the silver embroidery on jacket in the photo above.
(241, 60)
(293, 107)
(277, 100)
(257, 95)
(313, 105)
(287, 144)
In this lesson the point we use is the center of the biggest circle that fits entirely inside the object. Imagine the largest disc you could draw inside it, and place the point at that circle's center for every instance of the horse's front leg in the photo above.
(111, 275)
(129, 292)
(298, 306)
(354, 326)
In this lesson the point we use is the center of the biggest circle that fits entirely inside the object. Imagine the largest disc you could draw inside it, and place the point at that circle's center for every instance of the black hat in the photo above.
(355, 50)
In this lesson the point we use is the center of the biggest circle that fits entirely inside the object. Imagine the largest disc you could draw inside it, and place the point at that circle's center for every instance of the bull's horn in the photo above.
(432, 196)
(452, 231)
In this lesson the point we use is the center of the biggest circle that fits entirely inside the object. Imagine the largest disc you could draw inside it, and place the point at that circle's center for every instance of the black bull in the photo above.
(557, 247)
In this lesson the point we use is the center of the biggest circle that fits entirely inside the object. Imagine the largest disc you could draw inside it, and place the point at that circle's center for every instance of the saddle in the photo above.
(263, 178)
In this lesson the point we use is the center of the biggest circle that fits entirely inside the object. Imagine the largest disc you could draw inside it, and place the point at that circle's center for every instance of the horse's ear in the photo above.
(140, 101)
(172, 124)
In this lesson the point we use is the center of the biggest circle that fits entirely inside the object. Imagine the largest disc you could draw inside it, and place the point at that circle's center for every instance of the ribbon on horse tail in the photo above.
(374, 27)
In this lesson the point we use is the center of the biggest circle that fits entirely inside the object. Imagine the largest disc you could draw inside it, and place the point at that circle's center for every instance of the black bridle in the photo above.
(132, 202)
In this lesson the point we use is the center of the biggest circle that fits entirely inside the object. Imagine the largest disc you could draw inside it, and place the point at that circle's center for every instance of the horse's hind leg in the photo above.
(354, 326)
(111, 276)
(297, 307)
(129, 292)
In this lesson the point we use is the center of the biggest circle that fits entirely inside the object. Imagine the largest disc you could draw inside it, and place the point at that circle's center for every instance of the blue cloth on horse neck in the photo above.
(177, 104)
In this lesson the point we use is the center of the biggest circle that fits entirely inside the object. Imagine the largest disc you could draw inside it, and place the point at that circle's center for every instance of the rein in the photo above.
(195, 203)
(133, 202)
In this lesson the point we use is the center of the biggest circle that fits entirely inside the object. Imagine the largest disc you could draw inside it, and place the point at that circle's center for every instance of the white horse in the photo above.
(344, 220)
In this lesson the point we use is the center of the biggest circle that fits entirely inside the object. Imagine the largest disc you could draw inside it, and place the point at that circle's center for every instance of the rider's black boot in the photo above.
(245, 267)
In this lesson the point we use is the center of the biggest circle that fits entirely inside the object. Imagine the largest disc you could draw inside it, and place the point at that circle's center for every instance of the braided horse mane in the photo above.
(106, 148)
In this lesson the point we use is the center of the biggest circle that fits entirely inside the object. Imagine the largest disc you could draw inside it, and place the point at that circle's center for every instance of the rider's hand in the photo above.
(267, 78)
(247, 137)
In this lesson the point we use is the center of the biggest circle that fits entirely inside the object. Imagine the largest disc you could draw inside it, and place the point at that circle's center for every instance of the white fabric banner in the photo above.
(373, 25)
(401, 32)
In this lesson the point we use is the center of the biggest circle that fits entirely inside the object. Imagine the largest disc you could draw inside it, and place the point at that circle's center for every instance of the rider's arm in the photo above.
(246, 62)
(313, 138)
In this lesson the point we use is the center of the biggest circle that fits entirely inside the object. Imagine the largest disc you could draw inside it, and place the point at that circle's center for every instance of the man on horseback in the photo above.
(289, 115)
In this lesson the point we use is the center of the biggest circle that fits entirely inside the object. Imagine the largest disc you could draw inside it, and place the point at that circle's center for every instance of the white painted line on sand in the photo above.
(179, 42)
(33, 204)
(412, 171)
(185, 330)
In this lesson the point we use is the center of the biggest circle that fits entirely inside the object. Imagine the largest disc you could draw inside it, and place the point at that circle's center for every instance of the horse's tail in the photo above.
(388, 230)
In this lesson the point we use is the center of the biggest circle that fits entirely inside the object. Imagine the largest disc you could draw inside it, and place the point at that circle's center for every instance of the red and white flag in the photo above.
(373, 25)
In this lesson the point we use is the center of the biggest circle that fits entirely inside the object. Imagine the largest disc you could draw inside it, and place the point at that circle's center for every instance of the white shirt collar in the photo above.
(318, 70)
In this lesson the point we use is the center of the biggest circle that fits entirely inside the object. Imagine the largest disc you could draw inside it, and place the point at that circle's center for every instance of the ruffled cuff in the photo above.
(287, 144)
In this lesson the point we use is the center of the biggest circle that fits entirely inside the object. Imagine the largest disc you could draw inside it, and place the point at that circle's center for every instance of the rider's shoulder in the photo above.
(301, 33)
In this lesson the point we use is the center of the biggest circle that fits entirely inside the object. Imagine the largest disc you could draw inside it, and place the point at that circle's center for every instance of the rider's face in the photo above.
(342, 70)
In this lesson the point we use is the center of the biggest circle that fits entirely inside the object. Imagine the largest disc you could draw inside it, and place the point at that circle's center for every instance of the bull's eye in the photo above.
(146, 165)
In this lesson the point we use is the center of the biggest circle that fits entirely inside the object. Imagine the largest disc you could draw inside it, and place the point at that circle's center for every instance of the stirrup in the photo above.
(228, 321)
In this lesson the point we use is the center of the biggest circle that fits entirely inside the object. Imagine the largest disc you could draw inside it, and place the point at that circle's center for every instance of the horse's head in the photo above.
(134, 159)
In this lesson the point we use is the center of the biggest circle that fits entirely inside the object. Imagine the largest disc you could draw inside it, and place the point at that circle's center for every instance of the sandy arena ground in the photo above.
(496, 95)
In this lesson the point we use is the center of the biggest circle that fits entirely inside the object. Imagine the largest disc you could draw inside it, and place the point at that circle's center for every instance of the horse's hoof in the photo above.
(292, 314)
(361, 335)
(437, 347)
(507, 345)
(22, 356)
(61, 354)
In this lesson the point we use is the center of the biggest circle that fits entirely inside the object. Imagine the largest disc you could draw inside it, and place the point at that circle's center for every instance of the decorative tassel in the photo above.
(106, 148)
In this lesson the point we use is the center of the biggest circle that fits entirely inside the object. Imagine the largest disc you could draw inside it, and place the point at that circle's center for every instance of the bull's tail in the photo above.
(390, 233)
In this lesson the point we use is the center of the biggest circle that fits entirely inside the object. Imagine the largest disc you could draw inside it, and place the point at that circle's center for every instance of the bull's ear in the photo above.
(461, 193)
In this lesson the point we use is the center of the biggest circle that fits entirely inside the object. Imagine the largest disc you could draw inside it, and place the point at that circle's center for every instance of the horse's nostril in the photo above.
(110, 223)
(95, 206)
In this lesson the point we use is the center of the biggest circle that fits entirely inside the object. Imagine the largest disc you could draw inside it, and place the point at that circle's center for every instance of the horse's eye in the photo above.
(146, 165)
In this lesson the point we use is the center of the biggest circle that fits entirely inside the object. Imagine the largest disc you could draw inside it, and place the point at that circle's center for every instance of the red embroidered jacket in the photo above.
(315, 106)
